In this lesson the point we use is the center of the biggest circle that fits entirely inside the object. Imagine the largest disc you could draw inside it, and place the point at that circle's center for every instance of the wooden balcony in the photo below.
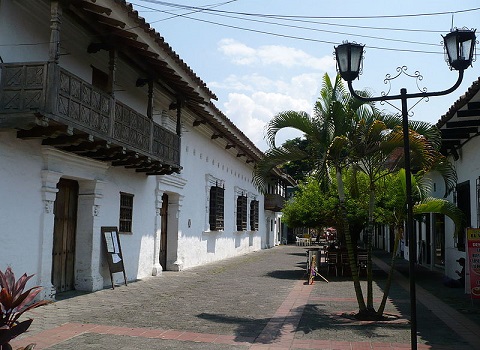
(274, 202)
(43, 100)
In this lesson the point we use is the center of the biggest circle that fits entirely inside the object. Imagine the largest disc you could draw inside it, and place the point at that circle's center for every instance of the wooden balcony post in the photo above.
(55, 20)
(52, 87)
(179, 115)
(150, 99)
(112, 67)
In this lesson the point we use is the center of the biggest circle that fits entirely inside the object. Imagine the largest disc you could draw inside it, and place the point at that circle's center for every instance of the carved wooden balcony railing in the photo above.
(43, 100)
(274, 202)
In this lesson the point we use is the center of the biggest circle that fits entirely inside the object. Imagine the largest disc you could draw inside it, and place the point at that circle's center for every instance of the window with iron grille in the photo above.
(216, 214)
(242, 213)
(254, 215)
(126, 212)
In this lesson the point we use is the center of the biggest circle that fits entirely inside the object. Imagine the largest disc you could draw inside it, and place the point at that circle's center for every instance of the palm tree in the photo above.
(345, 131)
(421, 187)
(336, 113)
(377, 150)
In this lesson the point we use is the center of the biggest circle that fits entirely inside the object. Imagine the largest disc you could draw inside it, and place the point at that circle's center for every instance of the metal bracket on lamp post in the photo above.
(422, 94)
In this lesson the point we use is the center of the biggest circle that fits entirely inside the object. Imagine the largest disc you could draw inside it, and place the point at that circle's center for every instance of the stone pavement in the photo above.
(256, 301)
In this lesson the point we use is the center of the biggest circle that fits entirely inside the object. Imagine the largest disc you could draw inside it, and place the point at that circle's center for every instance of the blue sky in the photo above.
(259, 64)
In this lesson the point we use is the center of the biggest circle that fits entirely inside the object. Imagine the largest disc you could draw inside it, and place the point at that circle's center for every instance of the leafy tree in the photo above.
(315, 208)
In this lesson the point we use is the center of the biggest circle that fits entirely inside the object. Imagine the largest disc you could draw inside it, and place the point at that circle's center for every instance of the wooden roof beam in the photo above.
(40, 132)
(468, 113)
(87, 146)
(199, 122)
(108, 154)
(68, 140)
(462, 124)
(95, 8)
(106, 20)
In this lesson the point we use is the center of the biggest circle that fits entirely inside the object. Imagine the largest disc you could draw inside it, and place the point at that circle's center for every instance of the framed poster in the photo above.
(113, 251)
(473, 258)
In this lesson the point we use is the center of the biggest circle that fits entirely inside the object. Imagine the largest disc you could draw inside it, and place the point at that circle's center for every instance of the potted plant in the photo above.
(14, 301)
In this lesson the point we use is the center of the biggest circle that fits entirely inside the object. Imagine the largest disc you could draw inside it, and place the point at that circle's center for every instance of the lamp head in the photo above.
(349, 60)
(459, 48)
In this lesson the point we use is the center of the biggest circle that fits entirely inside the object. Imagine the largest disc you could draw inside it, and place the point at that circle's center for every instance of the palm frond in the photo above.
(431, 132)
(289, 119)
(441, 206)
(273, 158)
(447, 170)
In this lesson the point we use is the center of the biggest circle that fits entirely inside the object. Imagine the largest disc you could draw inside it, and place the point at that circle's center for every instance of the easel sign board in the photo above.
(113, 251)
(473, 255)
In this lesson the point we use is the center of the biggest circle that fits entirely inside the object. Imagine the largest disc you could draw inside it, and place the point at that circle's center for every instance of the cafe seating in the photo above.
(362, 262)
(332, 262)
(303, 241)
(345, 264)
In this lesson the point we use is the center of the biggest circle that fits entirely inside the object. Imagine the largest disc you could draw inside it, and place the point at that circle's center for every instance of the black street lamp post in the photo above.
(459, 50)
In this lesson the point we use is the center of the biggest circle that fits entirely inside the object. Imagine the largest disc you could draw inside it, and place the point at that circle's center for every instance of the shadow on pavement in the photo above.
(248, 329)
(314, 319)
(297, 254)
(287, 274)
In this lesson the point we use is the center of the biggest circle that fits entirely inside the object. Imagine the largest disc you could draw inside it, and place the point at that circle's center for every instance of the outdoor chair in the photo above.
(345, 264)
(362, 262)
(332, 262)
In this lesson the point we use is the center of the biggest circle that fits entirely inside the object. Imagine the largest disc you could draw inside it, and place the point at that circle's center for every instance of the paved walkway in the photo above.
(257, 301)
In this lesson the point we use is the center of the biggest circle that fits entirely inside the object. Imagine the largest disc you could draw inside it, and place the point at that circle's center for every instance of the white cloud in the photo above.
(268, 55)
(238, 52)
(306, 85)
(271, 79)
(252, 112)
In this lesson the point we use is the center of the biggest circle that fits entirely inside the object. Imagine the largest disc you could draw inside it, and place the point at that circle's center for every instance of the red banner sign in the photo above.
(473, 256)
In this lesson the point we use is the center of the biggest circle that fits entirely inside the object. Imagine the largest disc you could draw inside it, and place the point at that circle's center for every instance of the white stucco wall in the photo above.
(468, 169)
(201, 157)
(30, 172)
(20, 204)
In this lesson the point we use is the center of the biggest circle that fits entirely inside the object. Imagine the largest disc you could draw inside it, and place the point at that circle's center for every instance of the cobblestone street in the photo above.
(257, 301)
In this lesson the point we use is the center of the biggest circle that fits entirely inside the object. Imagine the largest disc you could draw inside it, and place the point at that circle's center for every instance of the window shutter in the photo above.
(241, 213)
(216, 216)
(254, 215)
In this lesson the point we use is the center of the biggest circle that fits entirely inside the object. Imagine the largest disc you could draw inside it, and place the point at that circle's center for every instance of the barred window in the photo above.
(254, 215)
(242, 213)
(216, 215)
(126, 212)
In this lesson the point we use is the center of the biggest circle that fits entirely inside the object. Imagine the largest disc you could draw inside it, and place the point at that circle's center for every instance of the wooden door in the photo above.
(163, 234)
(65, 211)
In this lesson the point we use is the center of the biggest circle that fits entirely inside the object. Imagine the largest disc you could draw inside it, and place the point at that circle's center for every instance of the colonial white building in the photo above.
(103, 125)
(460, 140)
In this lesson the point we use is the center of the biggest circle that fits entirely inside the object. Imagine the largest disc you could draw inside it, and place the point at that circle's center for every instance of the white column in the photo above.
(157, 268)
(174, 211)
(49, 194)
(89, 250)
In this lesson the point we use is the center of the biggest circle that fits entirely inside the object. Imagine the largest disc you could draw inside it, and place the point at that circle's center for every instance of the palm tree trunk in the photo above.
(348, 241)
(388, 284)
